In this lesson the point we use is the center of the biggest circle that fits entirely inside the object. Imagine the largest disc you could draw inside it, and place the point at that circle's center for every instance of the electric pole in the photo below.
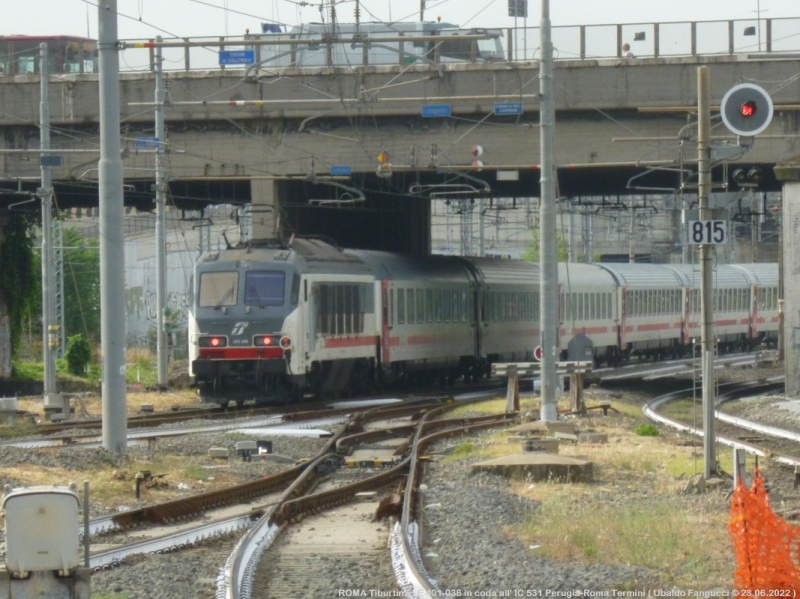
(112, 239)
(548, 275)
(50, 334)
(161, 227)
(706, 268)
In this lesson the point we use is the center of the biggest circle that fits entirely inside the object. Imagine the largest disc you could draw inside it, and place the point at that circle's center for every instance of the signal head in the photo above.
(746, 109)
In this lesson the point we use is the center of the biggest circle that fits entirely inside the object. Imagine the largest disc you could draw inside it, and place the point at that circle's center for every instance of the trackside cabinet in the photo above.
(42, 544)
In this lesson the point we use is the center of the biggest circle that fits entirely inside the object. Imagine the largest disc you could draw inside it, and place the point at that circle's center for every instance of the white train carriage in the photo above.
(650, 308)
(764, 310)
(427, 315)
(588, 302)
(508, 310)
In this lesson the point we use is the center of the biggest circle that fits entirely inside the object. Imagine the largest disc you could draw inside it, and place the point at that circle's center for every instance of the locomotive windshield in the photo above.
(264, 288)
(218, 289)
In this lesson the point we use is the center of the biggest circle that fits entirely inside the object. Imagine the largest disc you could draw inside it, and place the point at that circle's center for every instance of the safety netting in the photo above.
(765, 544)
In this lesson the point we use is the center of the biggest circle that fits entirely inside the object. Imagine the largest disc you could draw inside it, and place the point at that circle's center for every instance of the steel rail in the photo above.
(733, 391)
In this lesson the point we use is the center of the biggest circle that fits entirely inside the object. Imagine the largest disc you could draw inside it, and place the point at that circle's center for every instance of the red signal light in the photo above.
(215, 342)
(749, 108)
(262, 341)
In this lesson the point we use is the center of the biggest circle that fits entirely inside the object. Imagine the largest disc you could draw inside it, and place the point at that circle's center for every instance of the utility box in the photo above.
(580, 348)
(41, 527)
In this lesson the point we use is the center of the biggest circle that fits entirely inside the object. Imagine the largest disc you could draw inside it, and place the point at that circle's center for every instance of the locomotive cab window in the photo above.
(267, 288)
(218, 289)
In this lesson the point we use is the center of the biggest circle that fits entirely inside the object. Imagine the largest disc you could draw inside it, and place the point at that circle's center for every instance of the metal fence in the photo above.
(520, 44)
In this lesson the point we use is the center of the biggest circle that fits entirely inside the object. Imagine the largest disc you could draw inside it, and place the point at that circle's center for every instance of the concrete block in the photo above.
(539, 466)
(246, 446)
(566, 436)
(550, 445)
(147, 408)
(218, 452)
(8, 417)
(592, 438)
(9, 404)
(569, 428)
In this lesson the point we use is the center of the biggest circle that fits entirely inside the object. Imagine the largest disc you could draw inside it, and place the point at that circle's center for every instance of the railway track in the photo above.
(285, 497)
(779, 445)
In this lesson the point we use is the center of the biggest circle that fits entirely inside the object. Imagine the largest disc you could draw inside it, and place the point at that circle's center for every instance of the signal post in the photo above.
(746, 110)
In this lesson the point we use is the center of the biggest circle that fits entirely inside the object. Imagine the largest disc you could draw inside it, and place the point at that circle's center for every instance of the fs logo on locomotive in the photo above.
(238, 328)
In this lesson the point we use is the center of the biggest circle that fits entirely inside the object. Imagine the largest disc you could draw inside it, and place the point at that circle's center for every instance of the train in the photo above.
(311, 318)
(370, 43)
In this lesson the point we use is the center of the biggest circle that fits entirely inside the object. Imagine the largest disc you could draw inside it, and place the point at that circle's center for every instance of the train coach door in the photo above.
(623, 318)
(754, 313)
(386, 328)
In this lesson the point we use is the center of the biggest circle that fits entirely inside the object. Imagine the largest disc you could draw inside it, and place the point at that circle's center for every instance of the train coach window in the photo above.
(401, 306)
(447, 306)
(266, 288)
(420, 306)
(410, 305)
(429, 304)
(437, 305)
(295, 288)
(218, 289)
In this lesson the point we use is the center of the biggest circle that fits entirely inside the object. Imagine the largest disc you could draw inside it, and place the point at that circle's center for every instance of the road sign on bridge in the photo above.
(237, 57)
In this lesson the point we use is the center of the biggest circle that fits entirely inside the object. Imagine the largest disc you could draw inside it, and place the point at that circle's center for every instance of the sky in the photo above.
(140, 19)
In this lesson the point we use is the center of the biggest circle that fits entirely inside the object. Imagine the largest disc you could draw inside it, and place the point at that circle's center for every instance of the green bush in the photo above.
(647, 430)
(78, 355)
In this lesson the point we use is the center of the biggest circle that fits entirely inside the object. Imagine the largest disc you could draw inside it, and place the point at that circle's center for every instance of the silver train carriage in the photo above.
(315, 319)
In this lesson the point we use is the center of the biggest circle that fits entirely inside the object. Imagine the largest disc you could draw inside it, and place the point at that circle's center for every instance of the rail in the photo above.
(759, 38)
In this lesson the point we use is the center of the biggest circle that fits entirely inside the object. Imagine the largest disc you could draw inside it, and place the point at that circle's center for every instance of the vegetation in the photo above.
(81, 286)
(78, 355)
(531, 253)
(19, 278)
(647, 430)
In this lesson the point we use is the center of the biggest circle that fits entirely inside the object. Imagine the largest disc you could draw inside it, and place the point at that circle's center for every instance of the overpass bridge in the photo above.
(358, 152)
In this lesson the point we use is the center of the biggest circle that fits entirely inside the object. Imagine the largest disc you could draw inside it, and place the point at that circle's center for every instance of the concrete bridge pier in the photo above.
(789, 175)
(265, 208)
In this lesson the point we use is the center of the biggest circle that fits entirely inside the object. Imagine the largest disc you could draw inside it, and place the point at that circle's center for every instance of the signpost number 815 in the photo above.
(706, 232)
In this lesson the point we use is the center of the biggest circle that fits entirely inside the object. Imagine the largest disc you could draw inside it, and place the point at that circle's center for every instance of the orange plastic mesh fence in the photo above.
(767, 547)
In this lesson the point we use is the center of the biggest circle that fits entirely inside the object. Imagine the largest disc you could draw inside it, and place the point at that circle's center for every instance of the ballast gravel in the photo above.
(463, 515)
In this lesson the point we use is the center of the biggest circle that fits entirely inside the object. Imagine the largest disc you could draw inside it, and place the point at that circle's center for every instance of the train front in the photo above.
(240, 328)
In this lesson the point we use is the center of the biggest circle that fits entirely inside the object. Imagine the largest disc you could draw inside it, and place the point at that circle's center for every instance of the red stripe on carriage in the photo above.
(333, 342)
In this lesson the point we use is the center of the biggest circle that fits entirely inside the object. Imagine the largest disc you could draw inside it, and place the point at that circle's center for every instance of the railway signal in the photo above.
(746, 109)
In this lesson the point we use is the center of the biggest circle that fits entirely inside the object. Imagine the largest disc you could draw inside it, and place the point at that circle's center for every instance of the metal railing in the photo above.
(520, 44)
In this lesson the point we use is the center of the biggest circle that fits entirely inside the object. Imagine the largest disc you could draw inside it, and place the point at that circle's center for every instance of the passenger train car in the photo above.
(313, 318)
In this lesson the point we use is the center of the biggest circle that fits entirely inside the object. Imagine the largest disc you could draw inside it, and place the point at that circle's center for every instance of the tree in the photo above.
(18, 281)
(81, 285)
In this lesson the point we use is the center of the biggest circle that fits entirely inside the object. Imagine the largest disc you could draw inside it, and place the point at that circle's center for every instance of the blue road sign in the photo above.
(50, 161)
(340, 169)
(237, 57)
(435, 110)
(501, 108)
(146, 142)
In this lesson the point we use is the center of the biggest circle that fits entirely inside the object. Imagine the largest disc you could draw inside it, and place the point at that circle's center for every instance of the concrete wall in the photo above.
(5, 332)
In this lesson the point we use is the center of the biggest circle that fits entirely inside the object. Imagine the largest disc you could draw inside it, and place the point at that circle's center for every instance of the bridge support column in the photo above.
(265, 208)
(790, 176)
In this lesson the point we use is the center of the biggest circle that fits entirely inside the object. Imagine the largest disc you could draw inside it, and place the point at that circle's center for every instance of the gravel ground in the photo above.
(464, 519)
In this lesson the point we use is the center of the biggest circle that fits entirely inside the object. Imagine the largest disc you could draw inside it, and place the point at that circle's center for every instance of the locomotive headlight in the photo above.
(262, 341)
(286, 342)
(212, 342)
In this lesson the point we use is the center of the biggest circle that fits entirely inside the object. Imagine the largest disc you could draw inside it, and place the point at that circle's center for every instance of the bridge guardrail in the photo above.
(521, 44)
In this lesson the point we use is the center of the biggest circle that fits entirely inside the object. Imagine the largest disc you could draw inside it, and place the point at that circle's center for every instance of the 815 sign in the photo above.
(703, 232)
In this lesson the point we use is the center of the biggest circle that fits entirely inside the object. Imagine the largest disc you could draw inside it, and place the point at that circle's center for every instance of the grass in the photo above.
(634, 512)
(123, 595)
